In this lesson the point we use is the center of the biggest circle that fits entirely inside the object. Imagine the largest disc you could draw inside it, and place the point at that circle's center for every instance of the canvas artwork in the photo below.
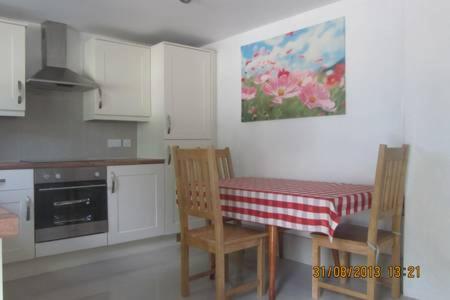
(298, 74)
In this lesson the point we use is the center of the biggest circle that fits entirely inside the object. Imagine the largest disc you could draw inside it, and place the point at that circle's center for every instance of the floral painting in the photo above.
(298, 74)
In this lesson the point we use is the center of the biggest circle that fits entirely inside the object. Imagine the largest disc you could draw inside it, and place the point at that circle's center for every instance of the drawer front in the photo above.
(16, 179)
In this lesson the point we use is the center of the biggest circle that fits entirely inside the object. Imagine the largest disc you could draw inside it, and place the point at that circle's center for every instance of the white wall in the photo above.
(397, 91)
(427, 107)
(342, 148)
(337, 148)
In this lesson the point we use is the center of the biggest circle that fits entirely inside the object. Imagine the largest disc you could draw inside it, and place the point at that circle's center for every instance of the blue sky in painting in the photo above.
(308, 49)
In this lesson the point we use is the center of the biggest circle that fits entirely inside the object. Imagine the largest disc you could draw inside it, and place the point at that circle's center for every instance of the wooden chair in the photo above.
(198, 190)
(387, 201)
(226, 171)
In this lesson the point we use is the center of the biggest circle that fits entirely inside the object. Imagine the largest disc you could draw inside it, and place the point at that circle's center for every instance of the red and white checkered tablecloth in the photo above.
(294, 204)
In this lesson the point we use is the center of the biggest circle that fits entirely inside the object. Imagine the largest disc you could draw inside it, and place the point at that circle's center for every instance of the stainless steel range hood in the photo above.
(55, 74)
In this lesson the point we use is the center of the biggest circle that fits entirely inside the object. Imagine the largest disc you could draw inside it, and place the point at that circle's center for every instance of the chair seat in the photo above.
(235, 237)
(356, 233)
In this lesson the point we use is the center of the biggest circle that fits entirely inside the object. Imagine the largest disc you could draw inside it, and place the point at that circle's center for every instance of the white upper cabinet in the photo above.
(123, 72)
(12, 69)
(185, 84)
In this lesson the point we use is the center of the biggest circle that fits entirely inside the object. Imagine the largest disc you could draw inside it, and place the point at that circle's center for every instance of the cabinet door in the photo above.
(20, 247)
(171, 211)
(12, 70)
(188, 93)
(123, 72)
(135, 202)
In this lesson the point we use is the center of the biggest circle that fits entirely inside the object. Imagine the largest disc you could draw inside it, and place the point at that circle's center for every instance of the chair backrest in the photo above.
(389, 190)
(224, 164)
(197, 186)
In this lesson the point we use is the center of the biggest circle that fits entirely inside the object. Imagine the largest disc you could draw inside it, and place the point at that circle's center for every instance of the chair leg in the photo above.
(227, 268)
(280, 244)
(261, 269)
(220, 276)
(184, 270)
(395, 292)
(315, 263)
(371, 281)
(345, 261)
(335, 253)
(212, 266)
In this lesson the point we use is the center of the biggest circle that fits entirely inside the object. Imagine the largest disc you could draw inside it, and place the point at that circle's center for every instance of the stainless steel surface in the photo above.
(72, 202)
(169, 158)
(169, 124)
(19, 87)
(72, 230)
(28, 217)
(69, 174)
(113, 182)
(100, 102)
(70, 221)
(77, 187)
(55, 74)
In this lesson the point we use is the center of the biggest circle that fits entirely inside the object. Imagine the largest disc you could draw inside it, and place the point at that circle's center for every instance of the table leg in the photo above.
(273, 243)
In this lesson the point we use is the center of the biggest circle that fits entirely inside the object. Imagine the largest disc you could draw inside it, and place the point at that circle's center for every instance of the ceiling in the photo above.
(151, 21)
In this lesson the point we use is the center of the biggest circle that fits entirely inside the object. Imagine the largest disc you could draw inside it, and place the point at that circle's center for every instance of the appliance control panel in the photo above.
(69, 174)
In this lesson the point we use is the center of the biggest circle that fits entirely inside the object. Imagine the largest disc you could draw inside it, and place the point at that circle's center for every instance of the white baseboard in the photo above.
(46, 264)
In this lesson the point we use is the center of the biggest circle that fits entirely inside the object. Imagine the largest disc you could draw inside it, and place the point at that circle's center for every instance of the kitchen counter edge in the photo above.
(79, 163)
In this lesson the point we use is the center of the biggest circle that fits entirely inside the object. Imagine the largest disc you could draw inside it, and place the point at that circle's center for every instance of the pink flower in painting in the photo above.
(248, 93)
(336, 76)
(303, 78)
(314, 95)
(281, 87)
(262, 78)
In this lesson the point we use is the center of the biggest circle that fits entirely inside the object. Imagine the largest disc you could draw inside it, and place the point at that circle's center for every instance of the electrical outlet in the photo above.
(126, 143)
(114, 143)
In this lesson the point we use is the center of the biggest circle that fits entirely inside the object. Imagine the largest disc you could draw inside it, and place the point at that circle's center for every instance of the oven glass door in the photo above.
(65, 210)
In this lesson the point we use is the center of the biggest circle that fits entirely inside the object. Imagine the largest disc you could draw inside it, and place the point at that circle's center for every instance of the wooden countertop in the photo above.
(9, 223)
(78, 163)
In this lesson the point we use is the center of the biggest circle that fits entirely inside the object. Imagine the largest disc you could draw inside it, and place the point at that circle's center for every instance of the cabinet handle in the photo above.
(169, 156)
(19, 87)
(28, 217)
(100, 95)
(169, 124)
(2, 180)
(113, 182)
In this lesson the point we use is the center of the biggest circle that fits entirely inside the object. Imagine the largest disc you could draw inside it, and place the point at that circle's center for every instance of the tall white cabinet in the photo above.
(183, 111)
(12, 69)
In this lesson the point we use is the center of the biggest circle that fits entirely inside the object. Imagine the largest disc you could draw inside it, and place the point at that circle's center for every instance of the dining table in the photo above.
(310, 206)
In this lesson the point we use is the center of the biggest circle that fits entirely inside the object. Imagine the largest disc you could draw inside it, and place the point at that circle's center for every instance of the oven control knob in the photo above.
(46, 176)
(58, 176)
(97, 174)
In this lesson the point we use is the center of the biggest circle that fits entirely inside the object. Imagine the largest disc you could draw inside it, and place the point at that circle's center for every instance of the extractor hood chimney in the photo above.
(55, 74)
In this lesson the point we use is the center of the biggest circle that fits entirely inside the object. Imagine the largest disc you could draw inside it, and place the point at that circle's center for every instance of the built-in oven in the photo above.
(70, 202)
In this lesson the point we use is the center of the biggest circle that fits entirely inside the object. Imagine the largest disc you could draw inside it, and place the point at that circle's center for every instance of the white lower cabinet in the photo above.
(172, 214)
(135, 202)
(17, 196)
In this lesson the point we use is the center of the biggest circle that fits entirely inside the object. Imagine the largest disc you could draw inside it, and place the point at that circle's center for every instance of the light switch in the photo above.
(114, 143)
(126, 143)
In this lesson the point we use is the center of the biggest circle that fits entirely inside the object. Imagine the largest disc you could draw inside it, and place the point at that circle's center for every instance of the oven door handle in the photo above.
(72, 202)
(71, 187)
(64, 222)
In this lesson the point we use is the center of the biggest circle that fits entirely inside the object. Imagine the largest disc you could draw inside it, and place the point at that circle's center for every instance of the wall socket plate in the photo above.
(126, 143)
(114, 143)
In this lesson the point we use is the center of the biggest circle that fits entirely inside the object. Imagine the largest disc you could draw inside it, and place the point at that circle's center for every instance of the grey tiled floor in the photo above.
(155, 276)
